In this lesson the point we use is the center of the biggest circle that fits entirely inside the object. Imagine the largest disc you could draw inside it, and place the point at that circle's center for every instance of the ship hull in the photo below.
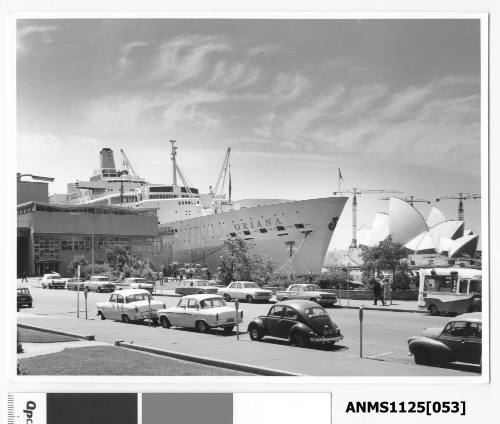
(294, 235)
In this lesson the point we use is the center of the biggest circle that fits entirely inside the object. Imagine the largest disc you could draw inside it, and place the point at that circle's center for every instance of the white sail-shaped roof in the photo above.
(464, 245)
(378, 231)
(448, 229)
(435, 217)
(405, 222)
(444, 245)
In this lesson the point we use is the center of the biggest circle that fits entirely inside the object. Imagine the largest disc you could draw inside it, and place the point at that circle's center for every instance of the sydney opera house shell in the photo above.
(406, 225)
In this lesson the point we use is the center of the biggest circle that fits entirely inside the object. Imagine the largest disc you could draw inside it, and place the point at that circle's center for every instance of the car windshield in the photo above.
(23, 290)
(313, 287)
(215, 302)
(250, 286)
(101, 278)
(136, 297)
(314, 311)
(201, 283)
(53, 277)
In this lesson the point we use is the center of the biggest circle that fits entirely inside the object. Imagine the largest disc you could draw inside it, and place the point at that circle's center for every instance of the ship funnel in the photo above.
(107, 159)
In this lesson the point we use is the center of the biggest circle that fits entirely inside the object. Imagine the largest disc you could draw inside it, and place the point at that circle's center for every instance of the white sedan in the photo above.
(245, 290)
(201, 311)
(129, 305)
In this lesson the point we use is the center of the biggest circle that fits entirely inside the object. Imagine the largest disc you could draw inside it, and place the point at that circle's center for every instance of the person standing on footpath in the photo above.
(388, 290)
(377, 292)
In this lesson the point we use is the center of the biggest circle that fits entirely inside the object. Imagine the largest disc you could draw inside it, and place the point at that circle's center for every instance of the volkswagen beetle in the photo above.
(299, 321)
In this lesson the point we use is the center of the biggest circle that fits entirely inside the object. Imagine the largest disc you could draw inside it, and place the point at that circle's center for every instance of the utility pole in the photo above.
(460, 197)
(355, 192)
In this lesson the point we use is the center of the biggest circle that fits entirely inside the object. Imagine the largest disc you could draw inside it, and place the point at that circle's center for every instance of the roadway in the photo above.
(384, 337)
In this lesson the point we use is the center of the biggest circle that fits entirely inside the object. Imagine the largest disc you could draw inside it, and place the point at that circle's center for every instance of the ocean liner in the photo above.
(194, 226)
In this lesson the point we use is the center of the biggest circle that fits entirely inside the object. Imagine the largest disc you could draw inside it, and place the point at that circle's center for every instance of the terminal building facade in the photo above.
(49, 236)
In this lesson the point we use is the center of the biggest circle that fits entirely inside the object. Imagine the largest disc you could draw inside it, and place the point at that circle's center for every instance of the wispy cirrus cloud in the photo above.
(28, 35)
(435, 124)
(184, 58)
(234, 75)
(153, 111)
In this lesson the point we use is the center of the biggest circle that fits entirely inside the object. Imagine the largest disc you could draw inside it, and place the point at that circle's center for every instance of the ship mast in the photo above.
(174, 164)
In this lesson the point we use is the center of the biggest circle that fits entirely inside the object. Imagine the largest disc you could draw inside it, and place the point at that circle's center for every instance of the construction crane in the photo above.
(410, 199)
(355, 192)
(223, 174)
(460, 197)
(126, 164)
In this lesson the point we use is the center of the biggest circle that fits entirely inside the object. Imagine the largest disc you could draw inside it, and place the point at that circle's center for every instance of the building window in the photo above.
(299, 225)
(280, 228)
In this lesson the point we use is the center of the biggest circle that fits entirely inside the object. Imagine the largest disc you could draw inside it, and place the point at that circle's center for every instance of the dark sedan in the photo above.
(24, 297)
(459, 341)
(299, 321)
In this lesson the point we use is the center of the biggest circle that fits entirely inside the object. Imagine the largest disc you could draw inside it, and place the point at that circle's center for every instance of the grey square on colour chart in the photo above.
(187, 408)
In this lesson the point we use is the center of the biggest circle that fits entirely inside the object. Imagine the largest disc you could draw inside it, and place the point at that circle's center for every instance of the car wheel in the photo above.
(44, 286)
(313, 299)
(102, 316)
(165, 323)
(283, 299)
(422, 357)
(99, 290)
(201, 327)
(474, 309)
(125, 319)
(30, 305)
(226, 297)
(228, 330)
(299, 340)
(249, 299)
(255, 333)
(433, 310)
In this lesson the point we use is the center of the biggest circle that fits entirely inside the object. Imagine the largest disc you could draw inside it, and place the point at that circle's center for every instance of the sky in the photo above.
(395, 104)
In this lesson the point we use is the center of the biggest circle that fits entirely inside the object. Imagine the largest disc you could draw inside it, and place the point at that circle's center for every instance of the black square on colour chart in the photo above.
(91, 408)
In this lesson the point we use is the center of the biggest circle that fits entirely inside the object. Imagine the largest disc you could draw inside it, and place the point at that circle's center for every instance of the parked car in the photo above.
(299, 321)
(310, 292)
(459, 341)
(201, 311)
(53, 281)
(24, 297)
(136, 283)
(245, 290)
(129, 305)
(73, 283)
(100, 284)
(187, 287)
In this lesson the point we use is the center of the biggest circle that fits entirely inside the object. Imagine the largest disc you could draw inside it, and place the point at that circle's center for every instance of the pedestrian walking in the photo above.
(377, 292)
(388, 290)
(24, 277)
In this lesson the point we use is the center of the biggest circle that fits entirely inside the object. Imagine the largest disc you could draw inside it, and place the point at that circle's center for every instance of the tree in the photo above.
(124, 264)
(73, 266)
(238, 264)
(388, 255)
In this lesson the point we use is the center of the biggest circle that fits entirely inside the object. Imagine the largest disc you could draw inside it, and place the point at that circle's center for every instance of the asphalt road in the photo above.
(384, 333)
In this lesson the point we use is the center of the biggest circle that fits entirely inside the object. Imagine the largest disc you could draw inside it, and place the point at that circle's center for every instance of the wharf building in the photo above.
(49, 236)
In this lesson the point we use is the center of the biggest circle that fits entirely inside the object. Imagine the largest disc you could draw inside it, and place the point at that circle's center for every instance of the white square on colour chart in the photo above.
(292, 408)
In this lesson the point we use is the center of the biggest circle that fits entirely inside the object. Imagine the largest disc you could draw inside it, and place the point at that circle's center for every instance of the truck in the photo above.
(311, 292)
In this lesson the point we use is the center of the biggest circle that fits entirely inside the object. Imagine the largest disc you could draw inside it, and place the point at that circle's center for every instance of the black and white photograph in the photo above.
(252, 197)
